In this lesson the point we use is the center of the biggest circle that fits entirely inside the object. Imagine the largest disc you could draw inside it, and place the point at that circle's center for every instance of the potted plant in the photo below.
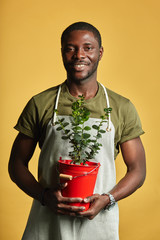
(80, 171)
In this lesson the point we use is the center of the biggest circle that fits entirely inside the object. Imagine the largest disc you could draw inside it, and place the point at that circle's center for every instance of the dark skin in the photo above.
(81, 55)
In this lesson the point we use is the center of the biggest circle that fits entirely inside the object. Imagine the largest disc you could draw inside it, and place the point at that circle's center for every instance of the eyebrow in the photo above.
(88, 43)
(70, 44)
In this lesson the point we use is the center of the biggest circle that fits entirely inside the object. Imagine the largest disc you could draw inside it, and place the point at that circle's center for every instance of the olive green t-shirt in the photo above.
(40, 109)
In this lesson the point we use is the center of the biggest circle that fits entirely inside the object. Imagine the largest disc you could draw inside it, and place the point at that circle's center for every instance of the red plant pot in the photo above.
(83, 180)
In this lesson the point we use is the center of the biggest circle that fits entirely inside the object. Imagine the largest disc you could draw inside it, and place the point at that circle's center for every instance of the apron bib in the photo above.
(44, 224)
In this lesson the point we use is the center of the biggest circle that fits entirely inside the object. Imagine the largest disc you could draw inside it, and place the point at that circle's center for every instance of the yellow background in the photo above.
(31, 62)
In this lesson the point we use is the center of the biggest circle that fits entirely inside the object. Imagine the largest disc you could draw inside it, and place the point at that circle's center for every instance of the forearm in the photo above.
(22, 151)
(134, 158)
(25, 180)
(128, 184)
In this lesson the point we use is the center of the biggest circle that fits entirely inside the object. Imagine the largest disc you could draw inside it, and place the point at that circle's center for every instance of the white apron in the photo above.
(43, 224)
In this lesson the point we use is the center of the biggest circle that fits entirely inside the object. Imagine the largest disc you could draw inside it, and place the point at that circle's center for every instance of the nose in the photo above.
(79, 53)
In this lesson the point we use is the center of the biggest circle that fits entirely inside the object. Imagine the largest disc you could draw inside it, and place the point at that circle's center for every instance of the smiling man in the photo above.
(81, 54)
(51, 216)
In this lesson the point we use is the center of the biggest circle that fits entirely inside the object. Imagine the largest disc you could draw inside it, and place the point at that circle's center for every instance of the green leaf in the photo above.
(108, 110)
(59, 128)
(62, 119)
(102, 117)
(87, 128)
(67, 131)
(77, 137)
(65, 137)
(102, 131)
(74, 124)
(95, 127)
(65, 124)
(86, 135)
(99, 135)
(77, 128)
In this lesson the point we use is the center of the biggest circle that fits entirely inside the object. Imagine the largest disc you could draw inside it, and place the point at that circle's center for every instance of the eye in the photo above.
(88, 48)
(69, 49)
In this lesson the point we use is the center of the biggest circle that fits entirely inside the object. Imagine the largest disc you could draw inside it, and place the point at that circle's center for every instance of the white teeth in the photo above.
(82, 65)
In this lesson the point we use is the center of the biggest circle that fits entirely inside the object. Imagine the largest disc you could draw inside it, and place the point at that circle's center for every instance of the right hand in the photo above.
(59, 204)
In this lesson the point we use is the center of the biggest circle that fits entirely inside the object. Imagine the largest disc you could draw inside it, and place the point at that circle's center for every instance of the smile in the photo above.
(79, 65)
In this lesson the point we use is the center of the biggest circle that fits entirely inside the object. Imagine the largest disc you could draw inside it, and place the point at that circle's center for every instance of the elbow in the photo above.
(142, 180)
(141, 175)
(141, 183)
(138, 176)
(11, 171)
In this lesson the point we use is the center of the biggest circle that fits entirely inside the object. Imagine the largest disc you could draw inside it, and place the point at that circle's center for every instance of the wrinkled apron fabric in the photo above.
(44, 224)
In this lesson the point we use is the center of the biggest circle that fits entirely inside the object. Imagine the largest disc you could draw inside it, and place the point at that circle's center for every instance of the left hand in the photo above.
(98, 202)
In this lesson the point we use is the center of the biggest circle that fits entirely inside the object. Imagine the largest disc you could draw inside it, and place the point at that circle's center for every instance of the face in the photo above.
(81, 54)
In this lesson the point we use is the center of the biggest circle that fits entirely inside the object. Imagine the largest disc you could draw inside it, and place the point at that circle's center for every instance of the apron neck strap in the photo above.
(56, 105)
(108, 105)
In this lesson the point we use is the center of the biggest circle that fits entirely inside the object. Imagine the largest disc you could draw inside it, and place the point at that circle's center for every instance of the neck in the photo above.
(87, 89)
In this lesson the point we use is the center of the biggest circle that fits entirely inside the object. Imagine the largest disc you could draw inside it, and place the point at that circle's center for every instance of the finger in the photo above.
(71, 200)
(93, 209)
(63, 185)
(66, 208)
(87, 214)
(90, 199)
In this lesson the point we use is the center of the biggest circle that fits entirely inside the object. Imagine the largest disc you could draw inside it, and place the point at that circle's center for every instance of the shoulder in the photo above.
(120, 104)
(37, 113)
(46, 95)
(45, 100)
(123, 109)
(116, 98)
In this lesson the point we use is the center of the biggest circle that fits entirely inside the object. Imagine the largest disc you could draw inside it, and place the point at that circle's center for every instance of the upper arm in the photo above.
(134, 155)
(22, 150)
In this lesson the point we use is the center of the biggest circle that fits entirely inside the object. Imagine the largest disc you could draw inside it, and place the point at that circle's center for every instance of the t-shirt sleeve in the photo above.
(132, 127)
(28, 120)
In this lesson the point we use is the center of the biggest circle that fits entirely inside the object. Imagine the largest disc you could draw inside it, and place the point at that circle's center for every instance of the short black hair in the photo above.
(82, 26)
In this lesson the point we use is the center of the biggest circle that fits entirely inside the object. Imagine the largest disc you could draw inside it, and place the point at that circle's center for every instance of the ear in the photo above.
(101, 50)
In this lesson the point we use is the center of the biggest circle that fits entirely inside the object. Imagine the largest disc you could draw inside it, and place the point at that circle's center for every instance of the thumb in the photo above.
(88, 199)
(63, 185)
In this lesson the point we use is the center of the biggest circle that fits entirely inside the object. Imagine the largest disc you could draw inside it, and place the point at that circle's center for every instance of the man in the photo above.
(51, 216)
